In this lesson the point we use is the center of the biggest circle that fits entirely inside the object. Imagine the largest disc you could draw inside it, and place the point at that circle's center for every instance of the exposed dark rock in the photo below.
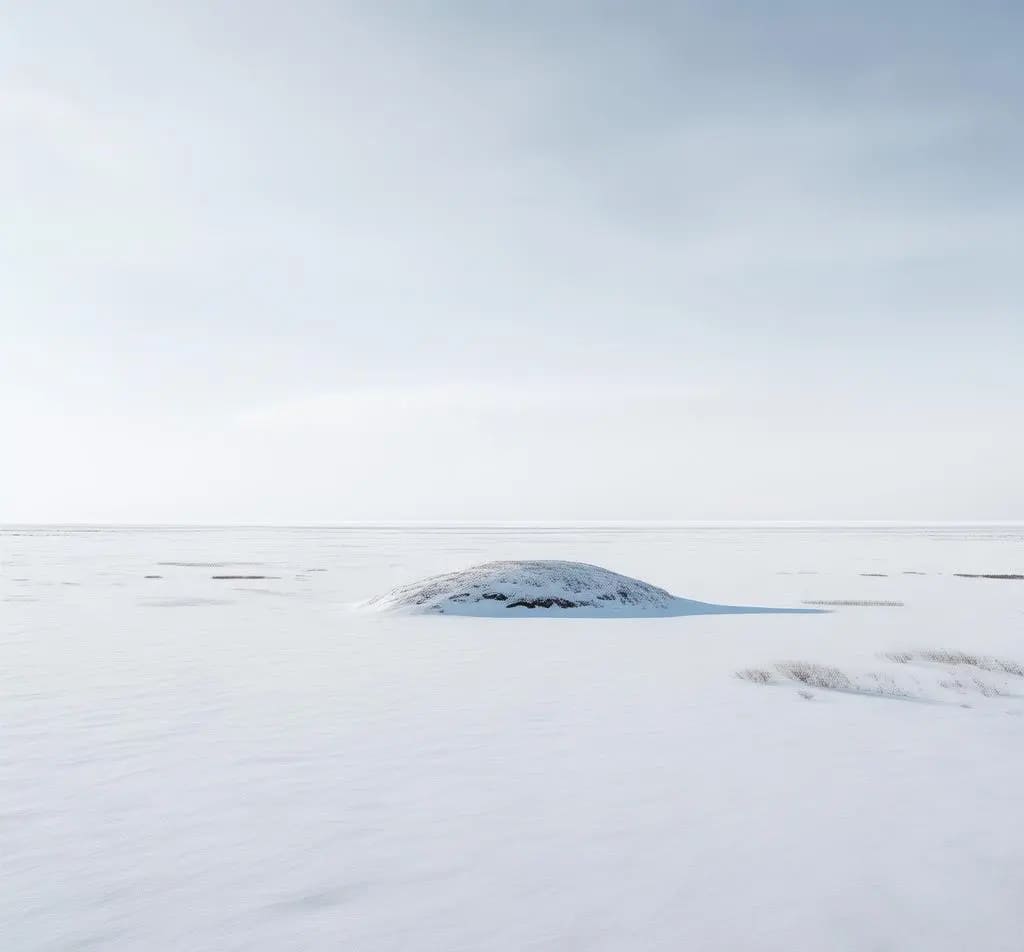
(545, 603)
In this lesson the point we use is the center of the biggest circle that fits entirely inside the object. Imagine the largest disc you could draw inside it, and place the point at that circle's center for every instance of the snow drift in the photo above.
(546, 588)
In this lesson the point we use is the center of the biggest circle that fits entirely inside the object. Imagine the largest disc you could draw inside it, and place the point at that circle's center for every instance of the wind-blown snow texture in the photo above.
(226, 765)
(545, 587)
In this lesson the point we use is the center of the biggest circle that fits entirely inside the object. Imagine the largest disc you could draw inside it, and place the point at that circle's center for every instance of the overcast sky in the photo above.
(319, 261)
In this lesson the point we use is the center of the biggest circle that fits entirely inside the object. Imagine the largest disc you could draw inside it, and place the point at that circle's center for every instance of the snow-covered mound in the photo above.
(543, 587)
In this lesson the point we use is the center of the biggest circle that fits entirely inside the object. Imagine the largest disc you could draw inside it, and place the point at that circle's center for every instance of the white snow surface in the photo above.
(541, 587)
(228, 764)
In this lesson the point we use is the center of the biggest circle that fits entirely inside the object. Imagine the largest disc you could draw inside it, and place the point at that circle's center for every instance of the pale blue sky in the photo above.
(316, 261)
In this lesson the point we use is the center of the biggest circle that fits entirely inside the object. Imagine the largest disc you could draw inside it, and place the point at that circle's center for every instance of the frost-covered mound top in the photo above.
(541, 587)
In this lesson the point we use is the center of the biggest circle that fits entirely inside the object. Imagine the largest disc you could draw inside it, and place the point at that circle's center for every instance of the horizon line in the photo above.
(525, 523)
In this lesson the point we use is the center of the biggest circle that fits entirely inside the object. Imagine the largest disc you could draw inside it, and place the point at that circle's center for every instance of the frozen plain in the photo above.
(191, 763)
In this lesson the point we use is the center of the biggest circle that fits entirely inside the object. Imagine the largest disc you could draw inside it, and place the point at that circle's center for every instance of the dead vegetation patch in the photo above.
(756, 675)
(982, 662)
(961, 673)
(857, 602)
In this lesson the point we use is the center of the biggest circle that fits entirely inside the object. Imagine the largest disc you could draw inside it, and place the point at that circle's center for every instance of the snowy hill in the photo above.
(542, 587)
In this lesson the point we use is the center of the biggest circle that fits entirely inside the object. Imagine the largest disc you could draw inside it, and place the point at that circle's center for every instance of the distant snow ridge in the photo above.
(542, 587)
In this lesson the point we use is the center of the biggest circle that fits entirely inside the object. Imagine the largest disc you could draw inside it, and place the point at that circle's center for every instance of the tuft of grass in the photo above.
(855, 602)
(982, 662)
(881, 684)
(816, 675)
(975, 684)
(756, 675)
(823, 676)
